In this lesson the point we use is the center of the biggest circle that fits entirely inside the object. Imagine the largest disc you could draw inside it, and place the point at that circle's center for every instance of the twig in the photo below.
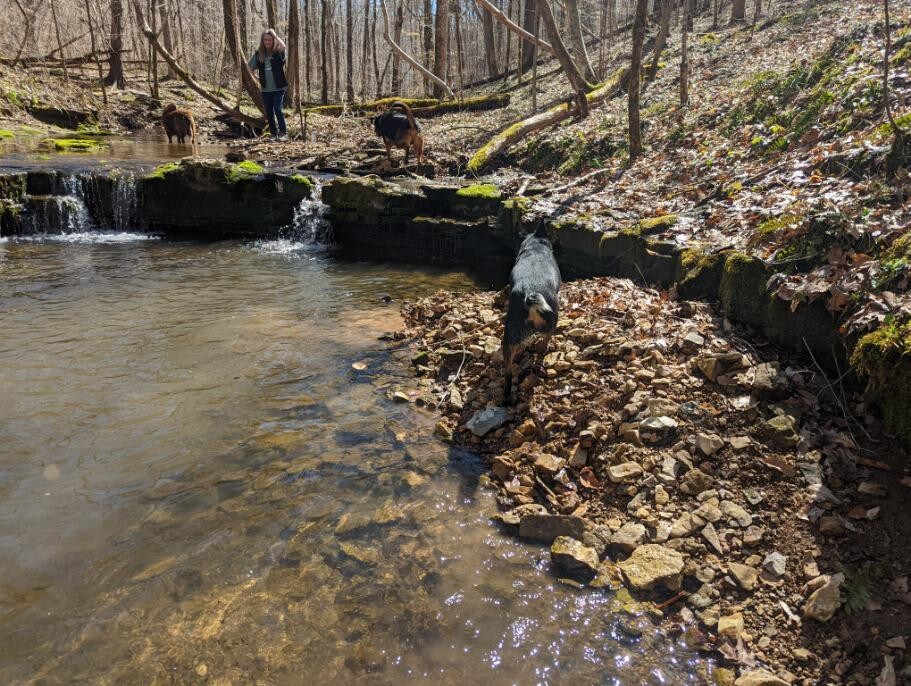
(835, 396)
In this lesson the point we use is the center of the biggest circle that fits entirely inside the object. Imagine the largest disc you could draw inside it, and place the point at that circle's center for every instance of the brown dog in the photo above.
(178, 123)
(398, 127)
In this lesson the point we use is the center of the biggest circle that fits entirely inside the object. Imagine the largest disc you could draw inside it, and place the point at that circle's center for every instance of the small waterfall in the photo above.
(78, 218)
(310, 225)
(309, 230)
(124, 202)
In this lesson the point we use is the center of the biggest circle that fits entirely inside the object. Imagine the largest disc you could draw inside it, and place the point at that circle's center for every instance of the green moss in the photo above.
(775, 224)
(486, 191)
(709, 39)
(656, 224)
(302, 180)
(162, 169)
(4, 133)
(885, 357)
(30, 130)
(93, 130)
(901, 55)
(242, 170)
(76, 144)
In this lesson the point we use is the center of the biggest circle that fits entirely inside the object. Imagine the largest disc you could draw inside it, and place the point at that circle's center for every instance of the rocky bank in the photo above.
(654, 448)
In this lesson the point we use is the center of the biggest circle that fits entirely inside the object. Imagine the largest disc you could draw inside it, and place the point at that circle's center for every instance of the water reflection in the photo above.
(195, 486)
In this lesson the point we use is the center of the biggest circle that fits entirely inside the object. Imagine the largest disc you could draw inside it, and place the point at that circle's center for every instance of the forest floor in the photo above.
(656, 420)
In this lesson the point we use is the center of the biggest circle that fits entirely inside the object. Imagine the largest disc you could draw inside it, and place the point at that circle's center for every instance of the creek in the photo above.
(195, 484)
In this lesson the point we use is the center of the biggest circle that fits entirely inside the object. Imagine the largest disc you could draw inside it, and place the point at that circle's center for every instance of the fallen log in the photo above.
(511, 135)
(422, 107)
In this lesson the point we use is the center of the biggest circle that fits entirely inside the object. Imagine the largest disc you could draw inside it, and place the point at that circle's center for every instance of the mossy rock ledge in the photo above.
(431, 223)
(219, 197)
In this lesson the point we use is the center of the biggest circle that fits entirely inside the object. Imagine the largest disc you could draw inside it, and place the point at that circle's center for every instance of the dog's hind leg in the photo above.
(509, 353)
(545, 342)
(388, 150)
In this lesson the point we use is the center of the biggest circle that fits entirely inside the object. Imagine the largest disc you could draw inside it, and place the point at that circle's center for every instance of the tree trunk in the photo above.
(716, 8)
(490, 48)
(427, 41)
(166, 36)
(293, 53)
(577, 40)
(242, 24)
(365, 50)
(376, 64)
(757, 11)
(460, 63)
(635, 138)
(272, 15)
(685, 56)
(349, 51)
(441, 45)
(664, 27)
(529, 20)
(66, 76)
(738, 10)
(337, 53)
(235, 44)
(324, 51)
(308, 48)
(115, 61)
(88, 19)
(576, 81)
(397, 39)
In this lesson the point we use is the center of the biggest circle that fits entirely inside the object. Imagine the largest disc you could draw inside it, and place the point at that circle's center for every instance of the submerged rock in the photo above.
(759, 677)
(653, 565)
(547, 527)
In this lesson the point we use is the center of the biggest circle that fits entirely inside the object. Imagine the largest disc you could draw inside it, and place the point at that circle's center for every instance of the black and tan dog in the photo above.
(533, 304)
(398, 127)
(179, 123)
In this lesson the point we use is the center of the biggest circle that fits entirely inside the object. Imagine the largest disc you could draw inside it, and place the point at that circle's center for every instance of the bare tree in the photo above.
(324, 51)
(635, 136)
(577, 41)
(685, 55)
(349, 51)
(664, 26)
(898, 153)
(490, 48)
(578, 83)
(441, 46)
(738, 10)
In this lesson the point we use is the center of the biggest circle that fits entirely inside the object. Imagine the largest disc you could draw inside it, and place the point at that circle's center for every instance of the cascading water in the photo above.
(309, 230)
(124, 202)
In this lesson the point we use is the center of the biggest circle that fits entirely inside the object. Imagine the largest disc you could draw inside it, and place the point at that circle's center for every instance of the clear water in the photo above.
(195, 485)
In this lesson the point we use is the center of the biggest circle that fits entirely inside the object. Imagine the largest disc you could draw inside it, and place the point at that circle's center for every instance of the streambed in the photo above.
(195, 485)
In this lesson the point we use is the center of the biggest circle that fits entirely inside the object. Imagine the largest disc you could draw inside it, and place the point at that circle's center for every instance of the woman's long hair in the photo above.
(278, 45)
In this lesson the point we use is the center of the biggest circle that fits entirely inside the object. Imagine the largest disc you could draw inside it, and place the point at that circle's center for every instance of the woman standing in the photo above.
(269, 62)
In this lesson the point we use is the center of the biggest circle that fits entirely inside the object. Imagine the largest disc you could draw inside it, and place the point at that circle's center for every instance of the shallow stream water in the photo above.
(195, 486)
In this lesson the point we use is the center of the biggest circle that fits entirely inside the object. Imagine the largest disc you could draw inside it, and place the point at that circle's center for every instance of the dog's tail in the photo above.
(408, 113)
(536, 303)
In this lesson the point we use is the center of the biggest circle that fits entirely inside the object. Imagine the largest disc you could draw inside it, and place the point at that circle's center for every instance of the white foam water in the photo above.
(85, 237)
(309, 231)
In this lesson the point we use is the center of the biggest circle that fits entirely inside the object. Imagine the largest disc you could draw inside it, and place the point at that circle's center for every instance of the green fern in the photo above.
(858, 586)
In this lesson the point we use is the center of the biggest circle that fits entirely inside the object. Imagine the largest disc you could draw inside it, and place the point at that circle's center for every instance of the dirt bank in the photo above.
(743, 492)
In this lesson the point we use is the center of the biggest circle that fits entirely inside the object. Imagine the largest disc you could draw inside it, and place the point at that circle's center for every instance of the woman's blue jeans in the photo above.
(273, 101)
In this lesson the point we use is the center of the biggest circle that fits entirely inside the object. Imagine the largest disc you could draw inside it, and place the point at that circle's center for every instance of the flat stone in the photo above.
(661, 407)
(628, 537)
(779, 431)
(693, 340)
(769, 382)
(709, 444)
(653, 565)
(708, 512)
(824, 602)
(730, 626)
(685, 524)
(696, 481)
(759, 677)
(733, 511)
(573, 557)
(831, 525)
(546, 527)
(753, 536)
(745, 576)
(775, 563)
(548, 464)
(658, 424)
(621, 473)
(487, 420)
(710, 535)
(739, 443)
